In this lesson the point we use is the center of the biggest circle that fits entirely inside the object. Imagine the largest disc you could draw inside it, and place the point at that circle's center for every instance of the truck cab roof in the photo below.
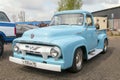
(72, 11)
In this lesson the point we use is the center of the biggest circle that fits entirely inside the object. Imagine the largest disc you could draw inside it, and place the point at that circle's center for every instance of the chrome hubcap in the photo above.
(105, 46)
(79, 59)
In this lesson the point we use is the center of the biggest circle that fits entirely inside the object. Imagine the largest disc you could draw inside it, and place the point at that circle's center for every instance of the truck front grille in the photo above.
(36, 50)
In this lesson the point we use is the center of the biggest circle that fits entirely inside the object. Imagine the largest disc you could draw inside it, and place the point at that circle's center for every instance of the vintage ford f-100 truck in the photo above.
(70, 38)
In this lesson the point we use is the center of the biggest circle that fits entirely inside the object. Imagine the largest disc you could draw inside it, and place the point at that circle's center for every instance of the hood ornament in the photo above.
(32, 36)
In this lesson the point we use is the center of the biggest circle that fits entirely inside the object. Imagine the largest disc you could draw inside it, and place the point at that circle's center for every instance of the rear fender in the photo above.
(101, 39)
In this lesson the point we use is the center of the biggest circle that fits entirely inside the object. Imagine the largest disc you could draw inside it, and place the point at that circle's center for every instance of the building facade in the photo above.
(113, 17)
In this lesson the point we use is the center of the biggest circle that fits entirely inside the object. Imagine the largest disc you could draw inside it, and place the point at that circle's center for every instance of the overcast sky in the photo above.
(44, 9)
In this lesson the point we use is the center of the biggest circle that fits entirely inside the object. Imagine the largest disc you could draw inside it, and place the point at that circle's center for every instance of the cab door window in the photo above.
(89, 21)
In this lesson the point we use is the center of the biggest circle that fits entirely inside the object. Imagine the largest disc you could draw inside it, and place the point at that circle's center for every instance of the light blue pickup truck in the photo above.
(70, 39)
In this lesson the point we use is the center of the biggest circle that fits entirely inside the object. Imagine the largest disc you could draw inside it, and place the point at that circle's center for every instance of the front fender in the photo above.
(68, 46)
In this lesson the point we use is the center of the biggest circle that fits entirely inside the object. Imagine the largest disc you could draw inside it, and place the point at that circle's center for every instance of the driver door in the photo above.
(91, 36)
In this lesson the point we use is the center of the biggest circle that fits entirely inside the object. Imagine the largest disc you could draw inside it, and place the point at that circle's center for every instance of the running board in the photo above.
(93, 54)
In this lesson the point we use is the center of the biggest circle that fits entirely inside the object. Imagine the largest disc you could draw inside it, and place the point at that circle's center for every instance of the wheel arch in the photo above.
(84, 49)
(106, 39)
(74, 67)
(2, 39)
(2, 36)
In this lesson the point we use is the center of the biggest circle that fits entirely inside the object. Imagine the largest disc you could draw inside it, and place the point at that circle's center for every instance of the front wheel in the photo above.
(77, 61)
(1, 48)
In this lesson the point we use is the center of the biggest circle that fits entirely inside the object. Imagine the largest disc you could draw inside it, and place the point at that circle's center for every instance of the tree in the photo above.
(69, 4)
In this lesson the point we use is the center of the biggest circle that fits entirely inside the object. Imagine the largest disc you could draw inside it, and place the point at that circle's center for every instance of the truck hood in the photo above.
(48, 34)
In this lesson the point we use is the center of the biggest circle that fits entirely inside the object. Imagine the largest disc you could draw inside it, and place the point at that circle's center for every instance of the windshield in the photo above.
(3, 17)
(67, 19)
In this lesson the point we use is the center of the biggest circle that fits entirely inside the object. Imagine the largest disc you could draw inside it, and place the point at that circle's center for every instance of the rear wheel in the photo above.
(105, 46)
(77, 61)
(1, 48)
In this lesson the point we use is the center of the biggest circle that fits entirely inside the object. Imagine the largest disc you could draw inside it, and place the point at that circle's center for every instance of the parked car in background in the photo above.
(21, 28)
(35, 23)
(7, 31)
(70, 38)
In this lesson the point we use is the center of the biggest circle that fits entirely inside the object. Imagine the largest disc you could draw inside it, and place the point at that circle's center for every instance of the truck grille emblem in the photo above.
(32, 36)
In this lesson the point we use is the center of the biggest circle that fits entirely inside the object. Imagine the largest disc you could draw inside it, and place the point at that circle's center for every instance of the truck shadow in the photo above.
(97, 60)
(89, 66)
(7, 52)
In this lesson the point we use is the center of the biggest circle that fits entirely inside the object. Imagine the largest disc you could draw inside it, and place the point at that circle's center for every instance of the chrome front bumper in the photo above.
(39, 65)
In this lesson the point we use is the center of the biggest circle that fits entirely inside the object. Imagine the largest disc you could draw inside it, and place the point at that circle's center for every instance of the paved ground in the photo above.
(102, 67)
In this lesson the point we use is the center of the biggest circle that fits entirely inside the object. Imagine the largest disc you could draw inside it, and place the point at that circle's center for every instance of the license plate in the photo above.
(29, 63)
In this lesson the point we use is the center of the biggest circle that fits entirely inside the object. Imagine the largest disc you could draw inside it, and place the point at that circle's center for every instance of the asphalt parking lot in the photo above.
(102, 67)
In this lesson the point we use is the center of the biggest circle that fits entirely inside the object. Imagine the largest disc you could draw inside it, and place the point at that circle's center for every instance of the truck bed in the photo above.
(101, 31)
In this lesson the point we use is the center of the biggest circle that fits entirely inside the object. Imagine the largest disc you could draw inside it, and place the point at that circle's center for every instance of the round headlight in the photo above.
(55, 52)
(16, 48)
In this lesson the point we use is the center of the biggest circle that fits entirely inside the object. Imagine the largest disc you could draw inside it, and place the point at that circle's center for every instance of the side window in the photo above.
(3, 17)
(89, 20)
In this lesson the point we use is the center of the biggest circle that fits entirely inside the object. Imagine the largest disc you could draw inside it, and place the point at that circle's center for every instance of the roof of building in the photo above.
(106, 9)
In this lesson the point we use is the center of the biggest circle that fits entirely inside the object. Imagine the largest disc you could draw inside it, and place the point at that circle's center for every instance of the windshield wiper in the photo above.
(64, 24)
(75, 24)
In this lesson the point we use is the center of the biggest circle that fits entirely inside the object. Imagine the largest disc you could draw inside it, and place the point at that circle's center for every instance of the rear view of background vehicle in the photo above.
(7, 31)
(21, 28)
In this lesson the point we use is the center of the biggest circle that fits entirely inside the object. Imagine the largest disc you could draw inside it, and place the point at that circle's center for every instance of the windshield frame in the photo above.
(80, 14)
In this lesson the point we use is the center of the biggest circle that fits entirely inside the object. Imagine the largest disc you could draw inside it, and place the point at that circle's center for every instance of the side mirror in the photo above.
(86, 24)
(97, 26)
